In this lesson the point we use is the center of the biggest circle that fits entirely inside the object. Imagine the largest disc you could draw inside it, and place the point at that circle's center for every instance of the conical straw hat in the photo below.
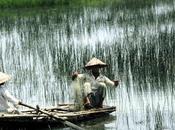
(4, 77)
(94, 62)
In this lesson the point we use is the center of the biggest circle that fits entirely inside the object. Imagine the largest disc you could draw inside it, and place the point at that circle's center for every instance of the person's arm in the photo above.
(10, 98)
(111, 83)
(80, 76)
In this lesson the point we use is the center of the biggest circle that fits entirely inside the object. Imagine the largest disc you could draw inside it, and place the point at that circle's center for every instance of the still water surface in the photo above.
(40, 48)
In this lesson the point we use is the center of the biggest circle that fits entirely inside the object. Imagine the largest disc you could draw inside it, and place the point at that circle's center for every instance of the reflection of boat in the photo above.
(99, 123)
(30, 118)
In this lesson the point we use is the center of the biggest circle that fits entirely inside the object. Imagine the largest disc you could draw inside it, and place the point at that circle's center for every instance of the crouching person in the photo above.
(94, 85)
(8, 103)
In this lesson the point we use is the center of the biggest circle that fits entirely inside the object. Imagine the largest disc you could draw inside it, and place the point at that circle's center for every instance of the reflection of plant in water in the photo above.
(148, 118)
(138, 46)
(158, 120)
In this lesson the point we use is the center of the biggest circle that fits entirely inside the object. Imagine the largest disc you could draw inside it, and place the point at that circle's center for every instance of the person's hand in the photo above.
(19, 103)
(74, 75)
(116, 82)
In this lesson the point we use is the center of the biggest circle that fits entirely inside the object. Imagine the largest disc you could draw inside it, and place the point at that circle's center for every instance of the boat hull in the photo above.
(32, 119)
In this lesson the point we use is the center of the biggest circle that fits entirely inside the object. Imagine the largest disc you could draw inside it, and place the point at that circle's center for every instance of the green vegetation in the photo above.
(26, 3)
(41, 3)
(37, 3)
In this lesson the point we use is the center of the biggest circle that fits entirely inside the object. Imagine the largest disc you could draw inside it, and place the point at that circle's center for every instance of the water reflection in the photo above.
(41, 51)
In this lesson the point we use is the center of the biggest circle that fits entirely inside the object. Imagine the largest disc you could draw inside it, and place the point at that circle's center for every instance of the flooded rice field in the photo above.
(41, 48)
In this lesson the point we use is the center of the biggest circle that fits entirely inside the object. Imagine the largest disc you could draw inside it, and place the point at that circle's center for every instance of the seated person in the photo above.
(94, 85)
(6, 97)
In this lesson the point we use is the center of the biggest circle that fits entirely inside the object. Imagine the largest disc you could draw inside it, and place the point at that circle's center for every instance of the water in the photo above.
(40, 48)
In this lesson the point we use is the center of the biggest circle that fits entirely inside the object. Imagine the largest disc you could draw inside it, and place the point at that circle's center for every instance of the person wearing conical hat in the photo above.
(94, 84)
(6, 97)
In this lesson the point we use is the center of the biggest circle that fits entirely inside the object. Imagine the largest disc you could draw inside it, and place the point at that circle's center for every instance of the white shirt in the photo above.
(94, 82)
(5, 98)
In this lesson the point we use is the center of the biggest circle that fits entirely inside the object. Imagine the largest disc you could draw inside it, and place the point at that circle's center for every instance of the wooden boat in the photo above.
(31, 118)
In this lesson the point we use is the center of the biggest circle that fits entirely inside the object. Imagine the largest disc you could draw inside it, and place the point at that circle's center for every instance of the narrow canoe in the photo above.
(30, 118)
